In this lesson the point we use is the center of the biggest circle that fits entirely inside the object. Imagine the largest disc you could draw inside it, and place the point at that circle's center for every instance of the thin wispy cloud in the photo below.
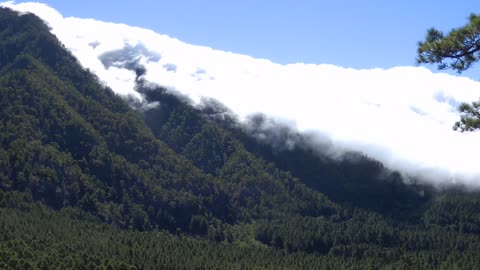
(402, 116)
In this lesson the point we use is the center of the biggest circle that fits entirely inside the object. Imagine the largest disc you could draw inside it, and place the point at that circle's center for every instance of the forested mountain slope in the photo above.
(86, 181)
(210, 137)
(70, 142)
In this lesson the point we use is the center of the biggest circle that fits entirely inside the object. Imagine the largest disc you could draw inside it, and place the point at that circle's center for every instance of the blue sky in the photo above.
(348, 33)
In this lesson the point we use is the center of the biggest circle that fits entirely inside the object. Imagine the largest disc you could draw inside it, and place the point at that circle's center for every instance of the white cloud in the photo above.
(402, 116)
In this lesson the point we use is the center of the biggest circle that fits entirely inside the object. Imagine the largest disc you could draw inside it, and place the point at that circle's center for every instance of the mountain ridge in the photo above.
(401, 113)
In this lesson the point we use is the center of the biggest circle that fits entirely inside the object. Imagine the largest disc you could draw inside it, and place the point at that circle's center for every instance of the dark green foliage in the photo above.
(41, 239)
(354, 180)
(88, 183)
(215, 145)
(456, 212)
(460, 46)
(257, 187)
(403, 234)
(69, 141)
(470, 118)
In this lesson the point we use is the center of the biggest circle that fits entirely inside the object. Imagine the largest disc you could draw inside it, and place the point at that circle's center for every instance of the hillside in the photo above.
(354, 180)
(87, 181)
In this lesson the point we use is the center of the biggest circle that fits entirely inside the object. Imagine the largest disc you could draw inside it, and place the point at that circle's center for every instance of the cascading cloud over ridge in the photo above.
(402, 116)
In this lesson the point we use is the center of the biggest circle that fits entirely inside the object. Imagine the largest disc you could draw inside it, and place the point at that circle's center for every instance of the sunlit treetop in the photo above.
(457, 50)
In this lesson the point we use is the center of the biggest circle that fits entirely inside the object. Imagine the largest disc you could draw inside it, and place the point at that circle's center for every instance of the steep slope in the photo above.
(69, 141)
(210, 138)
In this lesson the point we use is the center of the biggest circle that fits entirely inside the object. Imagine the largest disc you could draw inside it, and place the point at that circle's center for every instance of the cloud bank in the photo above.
(402, 116)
